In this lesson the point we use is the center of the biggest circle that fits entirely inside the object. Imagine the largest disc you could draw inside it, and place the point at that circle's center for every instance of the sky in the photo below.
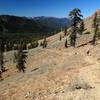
(54, 8)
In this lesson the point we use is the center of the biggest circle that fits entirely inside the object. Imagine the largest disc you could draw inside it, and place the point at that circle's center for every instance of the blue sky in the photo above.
(56, 8)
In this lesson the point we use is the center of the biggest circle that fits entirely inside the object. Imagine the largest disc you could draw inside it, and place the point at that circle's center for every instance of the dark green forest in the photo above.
(14, 27)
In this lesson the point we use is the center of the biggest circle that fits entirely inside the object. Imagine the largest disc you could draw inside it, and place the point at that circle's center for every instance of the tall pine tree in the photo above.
(65, 31)
(75, 15)
(66, 43)
(2, 68)
(81, 27)
(20, 58)
(44, 43)
(96, 22)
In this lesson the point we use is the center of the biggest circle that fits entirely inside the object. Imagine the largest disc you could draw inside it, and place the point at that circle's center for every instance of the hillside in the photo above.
(56, 72)
(89, 21)
(18, 27)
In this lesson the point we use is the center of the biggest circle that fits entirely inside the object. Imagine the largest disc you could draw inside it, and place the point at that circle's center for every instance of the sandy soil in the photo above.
(54, 73)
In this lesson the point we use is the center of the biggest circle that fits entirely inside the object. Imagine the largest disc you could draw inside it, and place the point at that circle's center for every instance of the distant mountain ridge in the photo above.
(34, 27)
(60, 22)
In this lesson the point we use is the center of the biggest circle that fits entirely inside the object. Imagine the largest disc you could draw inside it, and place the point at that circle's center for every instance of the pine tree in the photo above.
(41, 44)
(24, 45)
(20, 58)
(81, 27)
(60, 37)
(2, 68)
(33, 44)
(36, 43)
(73, 39)
(0, 75)
(45, 43)
(65, 32)
(96, 28)
(75, 15)
(66, 43)
(1, 61)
